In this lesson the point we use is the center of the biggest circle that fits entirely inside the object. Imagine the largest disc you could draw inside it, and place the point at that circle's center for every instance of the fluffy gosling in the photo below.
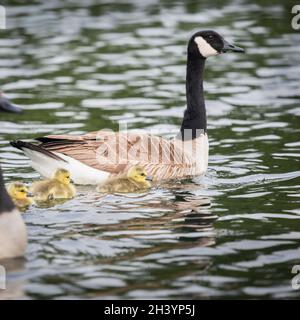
(134, 180)
(19, 195)
(59, 187)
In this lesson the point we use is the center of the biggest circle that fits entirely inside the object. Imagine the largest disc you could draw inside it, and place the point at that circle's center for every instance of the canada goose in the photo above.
(13, 235)
(59, 187)
(134, 180)
(95, 157)
(19, 195)
(7, 106)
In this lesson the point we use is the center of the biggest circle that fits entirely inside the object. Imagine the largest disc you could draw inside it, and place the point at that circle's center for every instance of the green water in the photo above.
(81, 66)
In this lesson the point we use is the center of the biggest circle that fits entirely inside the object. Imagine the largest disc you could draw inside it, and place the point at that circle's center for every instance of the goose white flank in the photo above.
(13, 234)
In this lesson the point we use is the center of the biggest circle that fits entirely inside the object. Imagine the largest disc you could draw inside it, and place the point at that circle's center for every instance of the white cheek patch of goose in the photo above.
(205, 48)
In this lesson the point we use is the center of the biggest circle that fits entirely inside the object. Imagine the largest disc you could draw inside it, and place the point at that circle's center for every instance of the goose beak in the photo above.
(231, 47)
(30, 195)
(149, 178)
(5, 105)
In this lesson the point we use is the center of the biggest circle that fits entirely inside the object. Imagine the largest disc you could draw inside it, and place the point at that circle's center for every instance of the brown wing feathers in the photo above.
(115, 152)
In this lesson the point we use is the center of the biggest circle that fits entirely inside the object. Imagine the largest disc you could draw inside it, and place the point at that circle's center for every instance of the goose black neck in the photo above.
(6, 204)
(194, 119)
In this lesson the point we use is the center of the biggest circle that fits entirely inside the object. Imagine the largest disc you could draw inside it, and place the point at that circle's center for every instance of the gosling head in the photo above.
(138, 174)
(63, 176)
(204, 44)
(18, 191)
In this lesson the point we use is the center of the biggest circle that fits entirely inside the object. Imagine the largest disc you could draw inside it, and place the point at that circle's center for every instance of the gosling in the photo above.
(134, 180)
(59, 187)
(20, 195)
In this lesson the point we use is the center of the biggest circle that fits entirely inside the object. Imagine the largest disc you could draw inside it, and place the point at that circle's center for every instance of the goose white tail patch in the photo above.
(205, 48)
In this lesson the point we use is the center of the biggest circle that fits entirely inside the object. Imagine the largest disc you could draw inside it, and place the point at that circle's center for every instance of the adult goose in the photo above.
(7, 106)
(97, 156)
(13, 236)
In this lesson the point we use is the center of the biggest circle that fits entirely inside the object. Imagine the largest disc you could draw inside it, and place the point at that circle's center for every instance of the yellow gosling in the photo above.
(19, 194)
(134, 180)
(59, 187)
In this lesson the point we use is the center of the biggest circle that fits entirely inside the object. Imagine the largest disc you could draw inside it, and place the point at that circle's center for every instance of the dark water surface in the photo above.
(79, 66)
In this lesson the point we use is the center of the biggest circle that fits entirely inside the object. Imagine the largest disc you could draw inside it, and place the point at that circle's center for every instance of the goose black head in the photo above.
(209, 43)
